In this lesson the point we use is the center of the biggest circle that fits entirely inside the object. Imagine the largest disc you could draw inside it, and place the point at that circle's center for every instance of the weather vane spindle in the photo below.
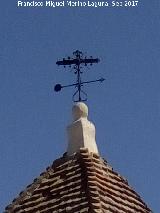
(76, 61)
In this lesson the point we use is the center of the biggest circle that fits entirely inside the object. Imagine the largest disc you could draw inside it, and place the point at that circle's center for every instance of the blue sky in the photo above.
(125, 108)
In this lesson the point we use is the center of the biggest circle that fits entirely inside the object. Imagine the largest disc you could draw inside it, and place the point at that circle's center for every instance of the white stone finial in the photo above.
(81, 133)
(79, 110)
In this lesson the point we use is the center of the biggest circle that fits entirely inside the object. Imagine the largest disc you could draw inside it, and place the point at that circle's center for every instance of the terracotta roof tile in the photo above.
(80, 183)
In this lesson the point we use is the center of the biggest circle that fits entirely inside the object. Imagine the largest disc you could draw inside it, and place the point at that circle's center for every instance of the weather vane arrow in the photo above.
(76, 62)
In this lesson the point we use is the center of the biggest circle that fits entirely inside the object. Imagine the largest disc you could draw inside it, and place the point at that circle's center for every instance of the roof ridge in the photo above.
(92, 192)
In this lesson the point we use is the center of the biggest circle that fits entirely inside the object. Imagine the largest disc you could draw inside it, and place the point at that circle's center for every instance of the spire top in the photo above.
(81, 132)
(79, 110)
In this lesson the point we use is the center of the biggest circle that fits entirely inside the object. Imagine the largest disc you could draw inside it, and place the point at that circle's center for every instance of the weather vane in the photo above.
(75, 63)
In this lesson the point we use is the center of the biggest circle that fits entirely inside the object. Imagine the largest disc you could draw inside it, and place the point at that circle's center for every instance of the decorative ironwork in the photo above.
(76, 61)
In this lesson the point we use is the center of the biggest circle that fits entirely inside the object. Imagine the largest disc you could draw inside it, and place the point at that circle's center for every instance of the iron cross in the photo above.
(77, 60)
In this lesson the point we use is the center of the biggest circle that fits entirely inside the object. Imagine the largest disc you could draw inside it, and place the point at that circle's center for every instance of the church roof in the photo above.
(79, 183)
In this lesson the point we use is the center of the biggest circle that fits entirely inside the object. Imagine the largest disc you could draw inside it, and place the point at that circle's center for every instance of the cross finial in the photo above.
(76, 61)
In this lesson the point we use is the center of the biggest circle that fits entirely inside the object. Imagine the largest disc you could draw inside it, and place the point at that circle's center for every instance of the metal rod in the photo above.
(84, 82)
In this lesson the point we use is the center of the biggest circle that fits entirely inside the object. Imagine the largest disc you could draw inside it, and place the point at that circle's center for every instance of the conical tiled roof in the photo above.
(80, 183)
